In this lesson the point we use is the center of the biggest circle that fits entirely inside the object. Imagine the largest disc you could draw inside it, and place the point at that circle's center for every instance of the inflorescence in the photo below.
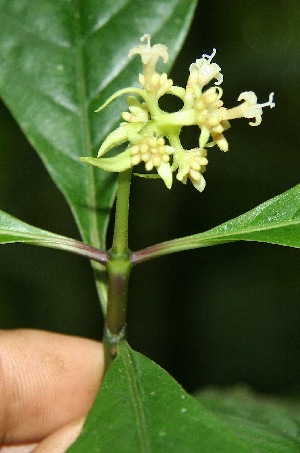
(153, 135)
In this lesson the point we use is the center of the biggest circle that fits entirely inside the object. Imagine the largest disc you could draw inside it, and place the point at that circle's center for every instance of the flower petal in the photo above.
(200, 184)
(165, 172)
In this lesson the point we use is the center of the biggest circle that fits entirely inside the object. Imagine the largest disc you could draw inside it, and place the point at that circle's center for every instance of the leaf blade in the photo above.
(141, 409)
(58, 62)
(276, 221)
(13, 230)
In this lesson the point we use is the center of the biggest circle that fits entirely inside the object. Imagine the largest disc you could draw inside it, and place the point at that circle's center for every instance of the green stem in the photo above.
(120, 239)
(118, 271)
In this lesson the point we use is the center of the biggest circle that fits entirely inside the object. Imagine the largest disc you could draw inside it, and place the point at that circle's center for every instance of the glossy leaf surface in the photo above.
(140, 408)
(276, 221)
(58, 62)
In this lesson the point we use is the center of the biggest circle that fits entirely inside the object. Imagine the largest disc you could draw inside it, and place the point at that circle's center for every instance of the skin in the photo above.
(48, 383)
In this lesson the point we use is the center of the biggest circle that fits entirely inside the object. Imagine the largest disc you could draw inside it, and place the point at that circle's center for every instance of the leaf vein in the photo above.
(136, 399)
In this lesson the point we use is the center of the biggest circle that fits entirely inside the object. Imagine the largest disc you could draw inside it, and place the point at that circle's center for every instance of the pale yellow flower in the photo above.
(248, 109)
(153, 135)
(191, 164)
(154, 153)
(150, 54)
(203, 70)
(138, 111)
(150, 79)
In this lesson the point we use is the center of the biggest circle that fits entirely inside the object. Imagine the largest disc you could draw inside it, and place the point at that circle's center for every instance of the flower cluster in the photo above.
(153, 135)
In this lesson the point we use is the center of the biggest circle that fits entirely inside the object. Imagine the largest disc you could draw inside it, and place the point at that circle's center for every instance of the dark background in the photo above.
(221, 315)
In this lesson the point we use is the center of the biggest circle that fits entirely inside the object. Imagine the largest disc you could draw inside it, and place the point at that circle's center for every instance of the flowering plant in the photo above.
(153, 135)
(51, 79)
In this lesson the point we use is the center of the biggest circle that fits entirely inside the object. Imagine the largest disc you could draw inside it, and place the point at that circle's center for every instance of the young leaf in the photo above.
(276, 221)
(141, 409)
(14, 230)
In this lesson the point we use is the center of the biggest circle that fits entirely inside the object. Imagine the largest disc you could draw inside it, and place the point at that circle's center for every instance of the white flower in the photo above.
(248, 109)
(151, 80)
(203, 71)
(149, 54)
(252, 109)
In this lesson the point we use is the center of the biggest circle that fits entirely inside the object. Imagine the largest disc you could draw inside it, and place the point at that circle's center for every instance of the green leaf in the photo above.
(14, 230)
(58, 62)
(255, 417)
(141, 409)
(276, 221)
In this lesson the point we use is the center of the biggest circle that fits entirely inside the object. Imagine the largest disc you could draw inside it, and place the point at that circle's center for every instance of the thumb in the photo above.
(48, 380)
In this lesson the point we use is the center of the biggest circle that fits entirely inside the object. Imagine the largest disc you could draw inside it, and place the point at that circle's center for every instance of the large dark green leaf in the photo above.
(141, 409)
(60, 60)
(276, 221)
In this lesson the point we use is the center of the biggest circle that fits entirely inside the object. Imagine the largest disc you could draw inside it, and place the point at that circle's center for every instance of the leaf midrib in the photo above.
(94, 233)
(137, 403)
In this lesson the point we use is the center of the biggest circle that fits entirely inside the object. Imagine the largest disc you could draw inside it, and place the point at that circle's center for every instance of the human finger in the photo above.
(27, 448)
(48, 380)
(62, 439)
